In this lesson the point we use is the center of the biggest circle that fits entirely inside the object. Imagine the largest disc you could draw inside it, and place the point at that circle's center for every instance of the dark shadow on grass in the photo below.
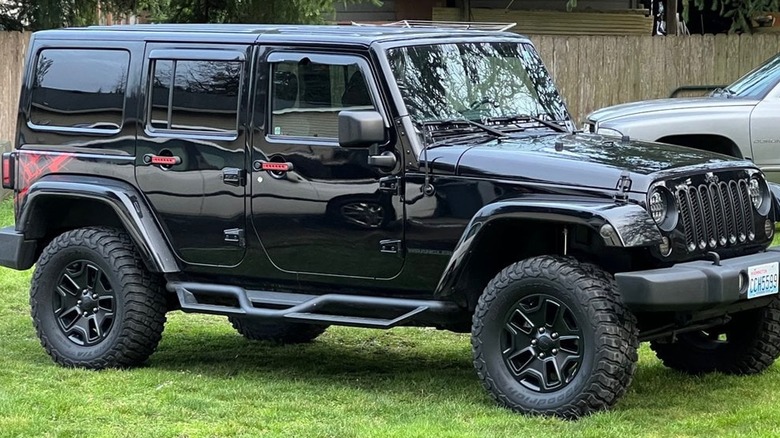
(359, 364)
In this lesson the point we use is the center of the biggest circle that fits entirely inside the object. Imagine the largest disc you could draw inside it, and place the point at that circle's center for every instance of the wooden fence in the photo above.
(591, 71)
(13, 46)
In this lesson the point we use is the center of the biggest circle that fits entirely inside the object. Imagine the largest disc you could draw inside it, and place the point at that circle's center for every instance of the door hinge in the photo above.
(390, 246)
(236, 236)
(234, 177)
(390, 184)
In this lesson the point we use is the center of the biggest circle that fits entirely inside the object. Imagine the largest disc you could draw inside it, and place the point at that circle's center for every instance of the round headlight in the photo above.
(756, 194)
(658, 206)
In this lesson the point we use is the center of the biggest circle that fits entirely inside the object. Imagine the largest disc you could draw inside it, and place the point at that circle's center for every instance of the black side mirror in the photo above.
(358, 129)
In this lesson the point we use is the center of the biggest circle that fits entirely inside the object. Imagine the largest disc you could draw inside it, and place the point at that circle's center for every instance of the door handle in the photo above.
(272, 166)
(162, 160)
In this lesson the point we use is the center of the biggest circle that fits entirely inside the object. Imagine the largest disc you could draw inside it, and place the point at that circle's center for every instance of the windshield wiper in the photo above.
(724, 91)
(443, 125)
(552, 124)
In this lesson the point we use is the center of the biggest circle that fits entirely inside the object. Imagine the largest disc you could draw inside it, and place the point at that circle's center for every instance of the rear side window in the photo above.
(81, 89)
(199, 96)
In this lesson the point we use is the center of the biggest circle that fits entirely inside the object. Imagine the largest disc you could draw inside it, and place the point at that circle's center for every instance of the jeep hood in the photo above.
(577, 160)
(651, 106)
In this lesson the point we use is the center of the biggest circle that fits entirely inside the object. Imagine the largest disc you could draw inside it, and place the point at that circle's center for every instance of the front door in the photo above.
(765, 135)
(327, 214)
(191, 148)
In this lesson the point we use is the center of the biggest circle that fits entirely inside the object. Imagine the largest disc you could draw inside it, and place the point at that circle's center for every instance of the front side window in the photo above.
(83, 89)
(200, 96)
(306, 97)
(475, 81)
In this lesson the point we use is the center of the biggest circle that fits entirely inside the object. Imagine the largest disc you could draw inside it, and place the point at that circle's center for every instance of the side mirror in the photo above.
(358, 129)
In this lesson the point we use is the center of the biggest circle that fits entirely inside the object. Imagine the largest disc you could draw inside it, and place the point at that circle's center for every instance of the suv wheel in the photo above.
(276, 332)
(94, 305)
(747, 344)
(551, 336)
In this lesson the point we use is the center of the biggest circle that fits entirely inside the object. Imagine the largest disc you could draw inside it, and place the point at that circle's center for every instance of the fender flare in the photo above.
(131, 208)
(620, 225)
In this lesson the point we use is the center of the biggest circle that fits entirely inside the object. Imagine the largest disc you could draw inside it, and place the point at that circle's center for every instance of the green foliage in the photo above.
(741, 12)
(47, 14)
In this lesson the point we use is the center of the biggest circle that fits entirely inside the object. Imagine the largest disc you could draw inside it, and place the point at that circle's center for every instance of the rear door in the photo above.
(191, 156)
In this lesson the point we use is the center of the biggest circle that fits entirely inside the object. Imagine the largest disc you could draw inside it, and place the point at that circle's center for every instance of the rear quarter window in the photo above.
(79, 89)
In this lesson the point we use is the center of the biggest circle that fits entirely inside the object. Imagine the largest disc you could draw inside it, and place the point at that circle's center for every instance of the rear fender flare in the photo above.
(130, 207)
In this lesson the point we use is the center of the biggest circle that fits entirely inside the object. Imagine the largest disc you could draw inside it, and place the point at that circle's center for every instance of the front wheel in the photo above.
(94, 305)
(551, 336)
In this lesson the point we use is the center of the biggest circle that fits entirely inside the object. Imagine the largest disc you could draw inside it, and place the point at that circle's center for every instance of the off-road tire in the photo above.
(138, 304)
(752, 344)
(592, 300)
(280, 333)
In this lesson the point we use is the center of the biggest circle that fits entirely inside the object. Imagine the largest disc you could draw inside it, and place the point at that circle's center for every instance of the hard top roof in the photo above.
(363, 34)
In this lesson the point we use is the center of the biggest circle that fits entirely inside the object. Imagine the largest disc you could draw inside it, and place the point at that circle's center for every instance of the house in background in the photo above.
(538, 17)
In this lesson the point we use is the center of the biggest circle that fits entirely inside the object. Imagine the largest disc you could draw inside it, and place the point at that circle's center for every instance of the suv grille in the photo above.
(716, 214)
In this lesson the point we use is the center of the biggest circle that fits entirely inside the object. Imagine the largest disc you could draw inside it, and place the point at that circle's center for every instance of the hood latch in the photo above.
(622, 188)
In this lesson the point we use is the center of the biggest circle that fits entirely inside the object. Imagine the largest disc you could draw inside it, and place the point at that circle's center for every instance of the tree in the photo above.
(46, 14)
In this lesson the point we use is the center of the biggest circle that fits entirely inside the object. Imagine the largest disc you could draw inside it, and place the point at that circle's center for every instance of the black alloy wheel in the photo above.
(84, 303)
(543, 344)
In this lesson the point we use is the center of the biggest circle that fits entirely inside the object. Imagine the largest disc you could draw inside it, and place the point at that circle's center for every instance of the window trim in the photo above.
(176, 56)
(72, 129)
(279, 56)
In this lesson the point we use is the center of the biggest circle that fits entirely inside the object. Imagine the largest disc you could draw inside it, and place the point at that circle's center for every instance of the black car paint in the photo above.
(527, 177)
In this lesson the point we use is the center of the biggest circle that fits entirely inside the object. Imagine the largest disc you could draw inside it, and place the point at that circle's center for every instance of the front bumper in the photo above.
(695, 285)
(15, 252)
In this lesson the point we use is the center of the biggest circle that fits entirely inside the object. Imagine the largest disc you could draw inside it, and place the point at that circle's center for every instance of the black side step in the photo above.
(232, 300)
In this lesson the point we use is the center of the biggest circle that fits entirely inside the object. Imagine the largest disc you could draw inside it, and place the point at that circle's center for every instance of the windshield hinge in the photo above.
(390, 184)
(623, 186)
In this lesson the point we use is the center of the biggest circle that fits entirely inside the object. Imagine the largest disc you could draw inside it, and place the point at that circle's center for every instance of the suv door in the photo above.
(764, 135)
(191, 150)
(328, 213)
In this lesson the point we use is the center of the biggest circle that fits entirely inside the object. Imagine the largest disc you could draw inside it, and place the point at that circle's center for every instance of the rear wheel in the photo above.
(747, 344)
(94, 305)
(552, 337)
(276, 332)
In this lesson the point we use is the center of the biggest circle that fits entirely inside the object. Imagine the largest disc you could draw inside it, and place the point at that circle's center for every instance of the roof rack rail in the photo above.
(483, 25)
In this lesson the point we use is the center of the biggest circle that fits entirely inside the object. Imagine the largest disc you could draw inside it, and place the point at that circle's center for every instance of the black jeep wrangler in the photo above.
(293, 178)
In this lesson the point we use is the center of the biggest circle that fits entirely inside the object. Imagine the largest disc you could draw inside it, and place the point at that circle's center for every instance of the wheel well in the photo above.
(507, 241)
(54, 215)
(708, 142)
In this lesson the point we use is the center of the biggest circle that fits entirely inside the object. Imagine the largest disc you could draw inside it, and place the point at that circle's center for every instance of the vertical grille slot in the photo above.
(716, 214)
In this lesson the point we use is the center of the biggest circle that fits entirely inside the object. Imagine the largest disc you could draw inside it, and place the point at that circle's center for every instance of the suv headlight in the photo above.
(662, 208)
(609, 131)
(759, 194)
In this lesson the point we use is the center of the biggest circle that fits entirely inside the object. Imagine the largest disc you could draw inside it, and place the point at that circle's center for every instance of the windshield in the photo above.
(475, 81)
(759, 81)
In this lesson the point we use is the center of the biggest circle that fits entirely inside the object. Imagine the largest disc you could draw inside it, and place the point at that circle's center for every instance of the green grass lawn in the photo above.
(205, 380)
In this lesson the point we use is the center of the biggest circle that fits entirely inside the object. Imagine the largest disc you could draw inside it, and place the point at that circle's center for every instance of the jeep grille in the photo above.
(716, 214)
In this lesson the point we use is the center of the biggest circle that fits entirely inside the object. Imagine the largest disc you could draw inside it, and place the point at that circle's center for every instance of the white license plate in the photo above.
(763, 280)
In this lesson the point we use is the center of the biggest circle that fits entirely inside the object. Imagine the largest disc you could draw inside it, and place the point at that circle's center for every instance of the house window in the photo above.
(81, 89)
(195, 96)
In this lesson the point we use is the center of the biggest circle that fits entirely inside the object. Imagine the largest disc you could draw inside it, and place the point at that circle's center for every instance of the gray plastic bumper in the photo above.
(692, 285)
(15, 252)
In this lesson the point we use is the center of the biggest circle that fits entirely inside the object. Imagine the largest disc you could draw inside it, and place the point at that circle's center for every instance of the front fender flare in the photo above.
(131, 208)
(632, 226)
